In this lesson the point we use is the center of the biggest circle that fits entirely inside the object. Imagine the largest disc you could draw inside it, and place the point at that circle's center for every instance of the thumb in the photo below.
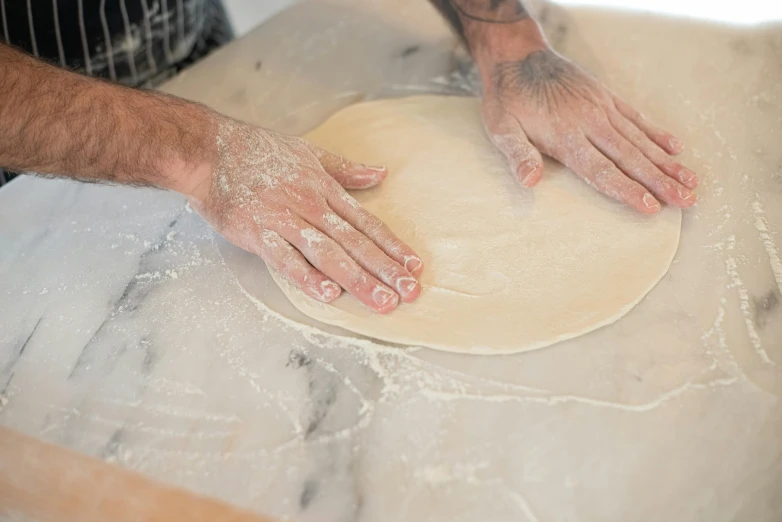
(507, 135)
(348, 174)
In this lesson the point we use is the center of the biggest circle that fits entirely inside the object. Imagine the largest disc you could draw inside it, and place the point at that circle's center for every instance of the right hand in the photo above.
(544, 103)
(284, 200)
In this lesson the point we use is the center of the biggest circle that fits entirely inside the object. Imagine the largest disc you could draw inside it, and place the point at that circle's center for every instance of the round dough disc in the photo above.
(507, 269)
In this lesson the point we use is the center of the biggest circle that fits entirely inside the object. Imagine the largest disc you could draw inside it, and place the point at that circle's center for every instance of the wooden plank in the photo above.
(47, 483)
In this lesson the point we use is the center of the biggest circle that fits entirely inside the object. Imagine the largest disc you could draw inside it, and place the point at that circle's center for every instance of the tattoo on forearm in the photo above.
(491, 11)
(543, 77)
(485, 11)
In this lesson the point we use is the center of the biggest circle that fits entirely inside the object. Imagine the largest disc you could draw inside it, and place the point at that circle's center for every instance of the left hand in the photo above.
(545, 103)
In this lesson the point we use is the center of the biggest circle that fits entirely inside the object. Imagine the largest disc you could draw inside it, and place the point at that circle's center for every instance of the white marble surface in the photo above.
(130, 332)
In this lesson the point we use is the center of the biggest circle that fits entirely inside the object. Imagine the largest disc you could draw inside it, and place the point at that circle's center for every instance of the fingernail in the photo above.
(675, 144)
(375, 168)
(382, 296)
(685, 194)
(412, 264)
(329, 290)
(528, 168)
(687, 175)
(406, 284)
(650, 202)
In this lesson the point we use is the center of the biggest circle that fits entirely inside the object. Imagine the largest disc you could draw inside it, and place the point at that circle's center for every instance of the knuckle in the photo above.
(639, 162)
(629, 109)
(568, 147)
(295, 141)
(364, 248)
(571, 140)
(358, 279)
(272, 242)
(307, 202)
(656, 154)
(494, 127)
(335, 222)
(508, 143)
(604, 98)
(369, 222)
(298, 275)
(604, 175)
(397, 247)
(494, 116)
(638, 115)
(595, 112)
(323, 251)
(277, 219)
(612, 141)
(563, 149)
(661, 180)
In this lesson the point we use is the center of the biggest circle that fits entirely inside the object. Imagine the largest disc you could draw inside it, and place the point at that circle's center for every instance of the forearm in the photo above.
(494, 30)
(56, 122)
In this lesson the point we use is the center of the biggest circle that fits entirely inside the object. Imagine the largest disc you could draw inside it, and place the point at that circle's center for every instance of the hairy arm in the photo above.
(537, 101)
(273, 195)
(56, 122)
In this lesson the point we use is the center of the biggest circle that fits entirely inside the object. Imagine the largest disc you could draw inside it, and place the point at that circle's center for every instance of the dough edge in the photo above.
(329, 314)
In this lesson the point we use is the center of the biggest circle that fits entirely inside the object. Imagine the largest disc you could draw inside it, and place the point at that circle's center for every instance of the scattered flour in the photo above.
(746, 311)
(768, 243)
(311, 236)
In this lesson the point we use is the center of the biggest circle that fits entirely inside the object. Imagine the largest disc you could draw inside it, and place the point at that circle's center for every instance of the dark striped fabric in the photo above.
(134, 42)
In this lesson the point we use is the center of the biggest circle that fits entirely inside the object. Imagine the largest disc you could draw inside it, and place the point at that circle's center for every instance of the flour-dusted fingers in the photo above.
(661, 159)
(331, 259)
(265, 181)
(349, 209)
(597, 170)
(636, 166)
(347, 173)
(559, 107)
(282, 257)
(670, 143)
(508, 136)
(367, 254)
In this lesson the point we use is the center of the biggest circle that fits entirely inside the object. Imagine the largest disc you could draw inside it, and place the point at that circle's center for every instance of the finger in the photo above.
(367, 254)
(597, 170)
(652, 151)
(282, 257)
(508, 136)
(348, 174)
(331, 259)
(635, 165)
(667, 141)
(346, 207)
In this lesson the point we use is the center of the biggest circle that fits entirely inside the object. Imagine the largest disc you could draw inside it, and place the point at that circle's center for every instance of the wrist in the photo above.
(491, 44)
(189, 170)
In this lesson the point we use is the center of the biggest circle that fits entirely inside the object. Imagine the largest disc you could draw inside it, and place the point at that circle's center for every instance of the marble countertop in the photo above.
(130, 332)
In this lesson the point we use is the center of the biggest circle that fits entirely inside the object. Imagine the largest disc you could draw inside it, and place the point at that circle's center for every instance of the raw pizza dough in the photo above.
(508, 269)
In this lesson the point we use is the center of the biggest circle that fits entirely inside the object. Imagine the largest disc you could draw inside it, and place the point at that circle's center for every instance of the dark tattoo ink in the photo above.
(485, 11)
(492, 11)
(542, 77)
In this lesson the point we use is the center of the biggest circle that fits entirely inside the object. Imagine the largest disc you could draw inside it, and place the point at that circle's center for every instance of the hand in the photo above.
(544, 103)
(282, 199)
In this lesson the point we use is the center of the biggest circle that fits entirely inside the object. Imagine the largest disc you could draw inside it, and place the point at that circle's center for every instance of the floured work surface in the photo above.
(126, 332)
(508, 269)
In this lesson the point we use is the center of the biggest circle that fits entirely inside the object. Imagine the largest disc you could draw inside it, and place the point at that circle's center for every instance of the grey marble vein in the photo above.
(131, 332)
